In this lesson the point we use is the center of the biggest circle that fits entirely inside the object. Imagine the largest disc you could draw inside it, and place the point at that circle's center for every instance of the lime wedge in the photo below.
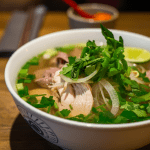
(137, 55)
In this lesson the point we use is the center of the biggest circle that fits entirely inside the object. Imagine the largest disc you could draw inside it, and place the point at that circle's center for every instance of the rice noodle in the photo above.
(113, 95)
(96, 98)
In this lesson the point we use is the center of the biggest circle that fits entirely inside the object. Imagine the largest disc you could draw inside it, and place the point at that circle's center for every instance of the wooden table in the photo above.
(15, 134)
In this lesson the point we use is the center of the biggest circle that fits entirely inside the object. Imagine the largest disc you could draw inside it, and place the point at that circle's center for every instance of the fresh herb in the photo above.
(23, 90)
(26, 66)
(110, 58)
(49, 108)
(65, 112)
(23, 73)
(20, 86)
(34, 95)
(65, 49)
(44, 103)
(148, 108)
(71, 107)
(34, 61)
(32, 100)
(142, 75)
(55, 105)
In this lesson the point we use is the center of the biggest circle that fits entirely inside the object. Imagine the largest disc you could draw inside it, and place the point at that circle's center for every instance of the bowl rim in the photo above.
(113, 10)
(59, 120)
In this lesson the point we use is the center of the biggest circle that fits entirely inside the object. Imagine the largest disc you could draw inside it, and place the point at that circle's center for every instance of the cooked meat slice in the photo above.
(79, 97)
(50, 72)
(44, 82)
(62, 56)
(61, 59)
(67, 98)
(47, 77)
(83, 101)
(39, 72)
(89, 97)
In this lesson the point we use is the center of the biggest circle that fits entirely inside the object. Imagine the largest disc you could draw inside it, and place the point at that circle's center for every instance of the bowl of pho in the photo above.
(84, 88)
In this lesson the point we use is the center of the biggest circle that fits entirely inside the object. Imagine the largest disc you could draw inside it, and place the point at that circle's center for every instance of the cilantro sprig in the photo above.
(110, 58)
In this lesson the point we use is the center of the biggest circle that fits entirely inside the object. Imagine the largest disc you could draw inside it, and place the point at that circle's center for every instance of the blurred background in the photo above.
(59, 5)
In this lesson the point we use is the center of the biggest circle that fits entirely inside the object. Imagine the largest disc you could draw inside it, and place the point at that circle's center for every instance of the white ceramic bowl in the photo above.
(68, 134)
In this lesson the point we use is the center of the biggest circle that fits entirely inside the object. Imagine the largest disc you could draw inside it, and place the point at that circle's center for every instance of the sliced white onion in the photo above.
(80, 79)
(104, 98)
(142, 69)
(137, 79)
(95, 92)
(113, 95)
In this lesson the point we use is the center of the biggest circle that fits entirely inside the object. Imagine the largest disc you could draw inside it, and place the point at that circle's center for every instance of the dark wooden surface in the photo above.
(15, 134)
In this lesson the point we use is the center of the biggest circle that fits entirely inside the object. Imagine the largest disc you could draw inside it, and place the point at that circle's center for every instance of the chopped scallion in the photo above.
(49, 108)
(23, 73)
(20, 86)
(20, 81)
(26, 66)
(70, 106)
(31, 76)
(58, 113)
(55, 105)
(24, 98)
(34, 61)
(32, 100)
(27, 81)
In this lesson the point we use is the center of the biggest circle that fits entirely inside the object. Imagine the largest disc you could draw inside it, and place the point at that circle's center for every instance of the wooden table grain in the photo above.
(15, 134)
